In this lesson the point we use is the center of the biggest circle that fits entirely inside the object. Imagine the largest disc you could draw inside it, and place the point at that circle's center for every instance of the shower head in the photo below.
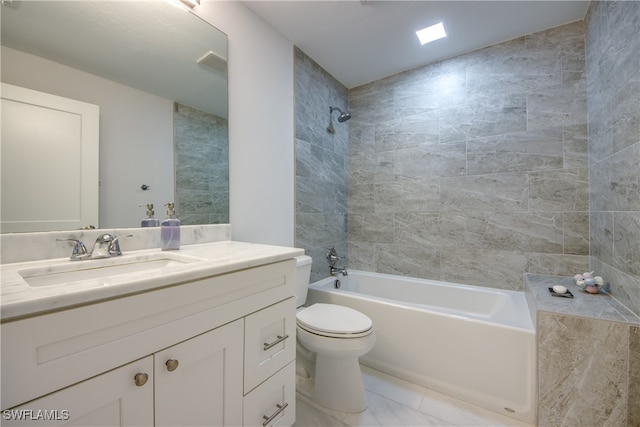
(344, 115)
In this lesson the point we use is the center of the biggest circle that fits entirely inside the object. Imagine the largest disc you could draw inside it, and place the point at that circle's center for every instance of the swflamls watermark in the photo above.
(36, 414)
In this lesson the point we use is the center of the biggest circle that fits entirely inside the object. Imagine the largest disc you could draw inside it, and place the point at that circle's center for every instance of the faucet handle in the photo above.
(79, 249)
(332, 257)
(114, 247)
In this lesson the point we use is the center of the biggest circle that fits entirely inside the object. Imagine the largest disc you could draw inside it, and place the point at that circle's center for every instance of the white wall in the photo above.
(261, 129)
(136, 134)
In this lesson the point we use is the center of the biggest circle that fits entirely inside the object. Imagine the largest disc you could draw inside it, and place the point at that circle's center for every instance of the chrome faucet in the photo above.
(332, 258)
(105, 246)
(79, 249)
(337, 270)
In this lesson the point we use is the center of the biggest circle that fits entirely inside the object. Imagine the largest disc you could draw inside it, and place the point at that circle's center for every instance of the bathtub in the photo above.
(473, 343)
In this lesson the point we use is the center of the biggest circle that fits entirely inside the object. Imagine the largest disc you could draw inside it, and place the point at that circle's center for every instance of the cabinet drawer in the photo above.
(273, 403)
(270, 342)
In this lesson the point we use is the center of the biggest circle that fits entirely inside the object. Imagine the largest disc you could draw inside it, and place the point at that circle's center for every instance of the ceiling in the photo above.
(358, 42)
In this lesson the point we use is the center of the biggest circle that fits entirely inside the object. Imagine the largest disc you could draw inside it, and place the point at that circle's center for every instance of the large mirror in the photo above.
(158, 73)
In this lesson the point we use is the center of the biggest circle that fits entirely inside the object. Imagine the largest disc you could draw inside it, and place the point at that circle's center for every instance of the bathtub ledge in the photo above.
(595, 306)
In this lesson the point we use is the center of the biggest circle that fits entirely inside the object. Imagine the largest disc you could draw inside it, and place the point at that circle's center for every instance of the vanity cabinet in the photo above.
(216, 351)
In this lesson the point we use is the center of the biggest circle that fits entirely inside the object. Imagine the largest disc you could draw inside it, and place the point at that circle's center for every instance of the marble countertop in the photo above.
(598, 306)
(198, 261)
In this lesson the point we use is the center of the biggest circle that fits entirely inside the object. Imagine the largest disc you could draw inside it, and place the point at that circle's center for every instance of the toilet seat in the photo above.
(336, 321)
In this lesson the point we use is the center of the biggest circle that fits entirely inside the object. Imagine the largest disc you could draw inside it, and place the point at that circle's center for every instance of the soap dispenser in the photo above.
(149, 221)
(170, 230)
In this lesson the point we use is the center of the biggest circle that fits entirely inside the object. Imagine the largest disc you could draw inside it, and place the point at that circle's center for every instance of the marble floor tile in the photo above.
(397, 403)
(390, 387)
(460, 413)
(387, 412)
(309, 415)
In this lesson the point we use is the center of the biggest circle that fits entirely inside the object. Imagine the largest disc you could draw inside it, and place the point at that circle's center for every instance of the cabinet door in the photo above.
(273, 403)
(110, 399)
(199, 381)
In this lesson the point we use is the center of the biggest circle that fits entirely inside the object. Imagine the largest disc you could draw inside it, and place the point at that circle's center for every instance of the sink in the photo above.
(105, 269)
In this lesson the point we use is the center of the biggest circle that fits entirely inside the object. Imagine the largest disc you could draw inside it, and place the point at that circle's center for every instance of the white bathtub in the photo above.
(474, 343)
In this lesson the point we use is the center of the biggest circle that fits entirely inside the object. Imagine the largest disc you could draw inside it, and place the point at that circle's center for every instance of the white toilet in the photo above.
(331, 338)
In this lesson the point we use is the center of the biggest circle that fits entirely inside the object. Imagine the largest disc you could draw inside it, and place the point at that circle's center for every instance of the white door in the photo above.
(49, 162)
(199, 381)
(110, 399)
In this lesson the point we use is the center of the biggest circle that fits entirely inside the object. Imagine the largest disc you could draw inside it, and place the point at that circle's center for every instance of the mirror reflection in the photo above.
(158, 74)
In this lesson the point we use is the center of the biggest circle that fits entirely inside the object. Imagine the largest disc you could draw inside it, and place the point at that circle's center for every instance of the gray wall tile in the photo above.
(481, 156)
(576, 233)
(322, 162)
(633, 416)
(583, 365)
(557, 265)
(559, 190)
(613, 82)
(517, 152)
(507, 192)
(201, 167)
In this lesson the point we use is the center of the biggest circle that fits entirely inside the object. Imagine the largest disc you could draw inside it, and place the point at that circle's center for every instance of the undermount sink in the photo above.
(75, 271)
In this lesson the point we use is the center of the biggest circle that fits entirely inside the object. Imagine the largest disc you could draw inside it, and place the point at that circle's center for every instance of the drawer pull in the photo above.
(141, 379)
(267, 420)
(280, 338)
(171, 365)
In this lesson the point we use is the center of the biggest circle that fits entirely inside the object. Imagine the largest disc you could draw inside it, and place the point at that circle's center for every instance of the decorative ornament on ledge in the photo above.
(590, 283)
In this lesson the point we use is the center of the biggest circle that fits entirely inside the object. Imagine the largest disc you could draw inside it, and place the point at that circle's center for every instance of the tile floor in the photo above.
(394, 403)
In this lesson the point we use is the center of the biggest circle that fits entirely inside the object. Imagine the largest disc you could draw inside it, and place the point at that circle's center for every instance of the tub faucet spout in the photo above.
(334, 271)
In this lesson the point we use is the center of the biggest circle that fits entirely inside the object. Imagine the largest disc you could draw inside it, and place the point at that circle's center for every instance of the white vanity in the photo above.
(200, 336)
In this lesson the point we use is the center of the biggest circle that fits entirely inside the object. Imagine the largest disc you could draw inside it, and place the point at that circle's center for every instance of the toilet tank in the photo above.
(303, 274)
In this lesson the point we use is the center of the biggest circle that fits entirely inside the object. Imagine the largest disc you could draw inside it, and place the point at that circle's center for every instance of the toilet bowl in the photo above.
(330, 339)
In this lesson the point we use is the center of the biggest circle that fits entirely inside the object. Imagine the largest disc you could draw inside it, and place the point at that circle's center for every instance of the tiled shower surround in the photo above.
(482, 167)
(321, 164)
(475, 169)
(201, 167)
(613, 65)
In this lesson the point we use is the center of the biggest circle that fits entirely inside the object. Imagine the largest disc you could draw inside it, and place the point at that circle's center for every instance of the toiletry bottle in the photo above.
(149, 221)
(170, 230)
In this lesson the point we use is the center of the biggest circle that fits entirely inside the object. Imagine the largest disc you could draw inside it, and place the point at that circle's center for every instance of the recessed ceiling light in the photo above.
(431, 33)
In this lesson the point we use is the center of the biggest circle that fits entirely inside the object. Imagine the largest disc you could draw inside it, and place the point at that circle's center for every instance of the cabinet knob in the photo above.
(172, 364)
(141, 379)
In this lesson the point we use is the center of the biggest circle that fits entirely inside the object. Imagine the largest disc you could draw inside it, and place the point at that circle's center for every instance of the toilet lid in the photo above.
(333, 319)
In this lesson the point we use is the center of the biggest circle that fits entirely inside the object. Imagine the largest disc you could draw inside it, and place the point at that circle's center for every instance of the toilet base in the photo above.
(338, 386)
